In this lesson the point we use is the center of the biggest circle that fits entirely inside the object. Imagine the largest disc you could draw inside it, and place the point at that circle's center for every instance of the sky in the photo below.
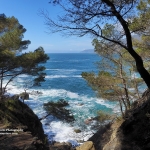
(27, 12)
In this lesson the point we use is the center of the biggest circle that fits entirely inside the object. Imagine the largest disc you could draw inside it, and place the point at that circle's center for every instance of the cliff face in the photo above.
(135, 130)
(20, 128)
(133, 133)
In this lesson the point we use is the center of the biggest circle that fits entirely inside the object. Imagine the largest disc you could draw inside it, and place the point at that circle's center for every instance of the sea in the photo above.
(64, 81)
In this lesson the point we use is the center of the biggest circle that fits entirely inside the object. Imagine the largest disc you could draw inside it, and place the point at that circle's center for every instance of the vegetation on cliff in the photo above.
(12, 117)
(131, 133)
(15, 115)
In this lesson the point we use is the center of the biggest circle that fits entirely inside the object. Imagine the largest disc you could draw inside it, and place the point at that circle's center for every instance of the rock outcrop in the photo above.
(86, 146)
(24, 96)
(27, 133)
(133, 133)
(61, 146)
(20, 128)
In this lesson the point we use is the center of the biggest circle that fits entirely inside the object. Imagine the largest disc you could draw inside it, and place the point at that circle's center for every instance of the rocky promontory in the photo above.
(20, 128)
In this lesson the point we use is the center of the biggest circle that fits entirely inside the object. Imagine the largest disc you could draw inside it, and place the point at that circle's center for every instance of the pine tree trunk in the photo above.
(129, 47)
(140, 68)
(125, 87)
(121, 109)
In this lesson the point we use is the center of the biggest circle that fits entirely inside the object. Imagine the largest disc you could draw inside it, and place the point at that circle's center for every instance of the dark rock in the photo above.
(77, 130)
(99, 139)
(135, 129)
(61, 146)
(80, 104)
(88, 121)
(31, 134)
(36, 93)
(30, 147)
(80, 141)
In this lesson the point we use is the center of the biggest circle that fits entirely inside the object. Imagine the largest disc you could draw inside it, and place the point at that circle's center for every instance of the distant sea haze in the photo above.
(64, 81)
(88, 51)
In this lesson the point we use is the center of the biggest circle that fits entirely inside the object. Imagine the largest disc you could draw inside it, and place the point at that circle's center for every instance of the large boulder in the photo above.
(86, 146)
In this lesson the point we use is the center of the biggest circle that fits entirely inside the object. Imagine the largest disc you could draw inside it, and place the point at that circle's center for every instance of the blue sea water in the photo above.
(64, 71)
(64, 81)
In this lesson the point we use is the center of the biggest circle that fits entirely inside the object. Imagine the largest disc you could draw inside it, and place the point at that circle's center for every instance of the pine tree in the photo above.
(94, 16)
(13, 61)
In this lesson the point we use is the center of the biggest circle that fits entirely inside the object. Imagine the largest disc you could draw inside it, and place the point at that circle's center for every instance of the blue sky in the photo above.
(27, 12)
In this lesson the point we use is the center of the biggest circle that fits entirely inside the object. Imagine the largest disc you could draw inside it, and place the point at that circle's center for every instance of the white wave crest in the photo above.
(62, 76)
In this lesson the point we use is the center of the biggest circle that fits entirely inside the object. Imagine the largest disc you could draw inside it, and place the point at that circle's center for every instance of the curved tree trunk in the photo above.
(121, 109)
(129, 47)
(140, 67)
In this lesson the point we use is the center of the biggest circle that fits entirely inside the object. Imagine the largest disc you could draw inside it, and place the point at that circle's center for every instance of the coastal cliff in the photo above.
(20, 128)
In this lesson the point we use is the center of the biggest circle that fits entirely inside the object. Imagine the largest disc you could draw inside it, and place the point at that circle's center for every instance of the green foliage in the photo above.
(104, 83)
(6, 108)
(112, 22)
(116, 74)
(58, 110)
(12, 117)
(117, 68)
(13, 61)
(109, 30)
(140, 24)
(11, 34)
(30, 64)
(103, 116)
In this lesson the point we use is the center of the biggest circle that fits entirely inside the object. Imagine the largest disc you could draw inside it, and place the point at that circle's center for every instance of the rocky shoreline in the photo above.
(21, 129)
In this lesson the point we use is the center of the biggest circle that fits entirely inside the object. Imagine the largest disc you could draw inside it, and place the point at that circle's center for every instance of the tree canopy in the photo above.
(13, 61)
(118, 78)
(111, 22)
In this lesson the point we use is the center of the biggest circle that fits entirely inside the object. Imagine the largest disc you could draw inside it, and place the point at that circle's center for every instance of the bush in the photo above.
(103, 116)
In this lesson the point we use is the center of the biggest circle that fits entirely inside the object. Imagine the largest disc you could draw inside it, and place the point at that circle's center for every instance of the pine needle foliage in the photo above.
(13, 60)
